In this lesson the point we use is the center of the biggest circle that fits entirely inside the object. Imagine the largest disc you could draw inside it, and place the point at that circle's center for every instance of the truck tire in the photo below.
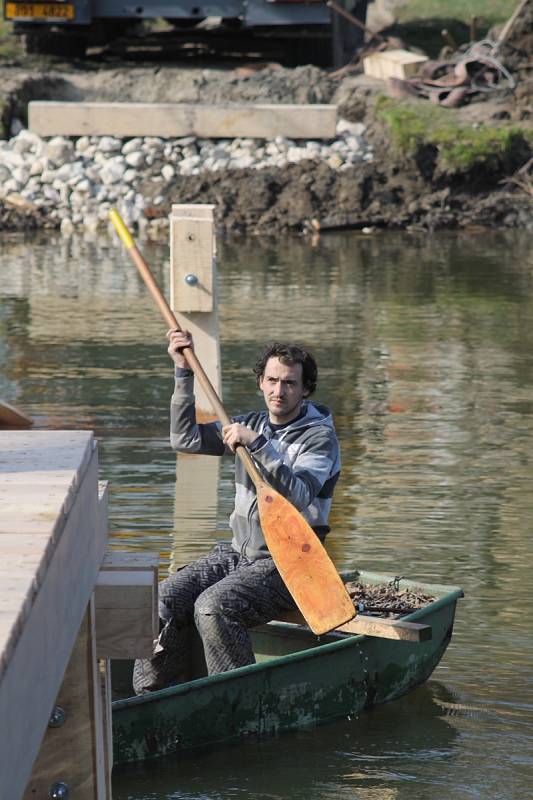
(347, 38)
(55, 43)
(317, 50)
(185, 23)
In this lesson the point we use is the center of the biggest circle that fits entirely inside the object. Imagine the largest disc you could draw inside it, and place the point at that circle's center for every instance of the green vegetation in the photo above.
(460, 146)
(491, 12)
(421, 23)
(9, 45)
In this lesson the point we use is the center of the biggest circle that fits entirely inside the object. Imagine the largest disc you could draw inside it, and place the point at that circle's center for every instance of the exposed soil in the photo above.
(392, 191)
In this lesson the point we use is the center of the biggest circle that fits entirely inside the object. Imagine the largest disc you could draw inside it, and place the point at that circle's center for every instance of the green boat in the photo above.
(299, 680)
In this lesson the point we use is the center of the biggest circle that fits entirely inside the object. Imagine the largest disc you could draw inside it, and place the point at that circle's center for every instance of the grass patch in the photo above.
(420, 23)
(10, 46)
(460, 146)
(492, 12)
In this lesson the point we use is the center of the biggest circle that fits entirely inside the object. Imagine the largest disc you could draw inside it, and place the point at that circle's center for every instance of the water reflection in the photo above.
(426, 355)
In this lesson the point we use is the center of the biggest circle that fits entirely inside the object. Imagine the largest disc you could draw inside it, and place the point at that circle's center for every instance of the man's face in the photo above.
(283, 390)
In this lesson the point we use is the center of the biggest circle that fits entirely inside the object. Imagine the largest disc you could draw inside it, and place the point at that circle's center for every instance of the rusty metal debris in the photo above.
(451, 83)
(456, 81)
(459, 78)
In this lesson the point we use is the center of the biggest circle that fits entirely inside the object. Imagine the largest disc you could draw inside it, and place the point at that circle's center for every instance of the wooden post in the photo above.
(193, 298)
(193, 287)
(73, 751)
(127, 621)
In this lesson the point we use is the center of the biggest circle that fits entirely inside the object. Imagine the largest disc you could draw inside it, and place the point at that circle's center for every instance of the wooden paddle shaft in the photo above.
(188, 353)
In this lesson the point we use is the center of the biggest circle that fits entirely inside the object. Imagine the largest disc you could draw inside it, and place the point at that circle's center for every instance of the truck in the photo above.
(307, 31)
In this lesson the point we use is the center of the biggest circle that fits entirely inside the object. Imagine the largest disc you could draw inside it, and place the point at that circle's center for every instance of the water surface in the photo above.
(425, 348)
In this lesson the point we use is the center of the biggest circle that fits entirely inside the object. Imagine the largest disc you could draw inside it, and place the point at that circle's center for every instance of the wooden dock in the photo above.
(55, 731)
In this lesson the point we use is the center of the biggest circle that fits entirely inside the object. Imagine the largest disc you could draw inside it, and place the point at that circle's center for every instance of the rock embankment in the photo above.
(74, 182)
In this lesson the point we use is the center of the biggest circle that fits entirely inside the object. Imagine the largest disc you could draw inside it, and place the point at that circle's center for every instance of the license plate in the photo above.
(39, 11)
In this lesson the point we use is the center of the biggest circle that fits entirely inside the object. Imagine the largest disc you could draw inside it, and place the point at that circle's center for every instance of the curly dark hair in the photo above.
(289, 354)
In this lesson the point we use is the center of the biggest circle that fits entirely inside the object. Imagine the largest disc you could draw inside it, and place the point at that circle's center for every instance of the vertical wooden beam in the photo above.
(127, 621)
(193, 298)
(73, 751)
(107, 720)
(193, 286)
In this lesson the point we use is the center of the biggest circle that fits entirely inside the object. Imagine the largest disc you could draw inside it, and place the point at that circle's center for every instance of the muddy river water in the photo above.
(425, 348)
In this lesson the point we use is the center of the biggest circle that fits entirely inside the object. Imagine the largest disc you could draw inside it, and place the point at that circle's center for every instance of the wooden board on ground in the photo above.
(173, 120)
(393, 64)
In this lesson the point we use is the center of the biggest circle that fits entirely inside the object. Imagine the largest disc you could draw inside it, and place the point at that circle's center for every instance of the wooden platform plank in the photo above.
(127, 621)
(122, 559)
(68, 751)
(171, 120)
(380, 627)
(387, 628)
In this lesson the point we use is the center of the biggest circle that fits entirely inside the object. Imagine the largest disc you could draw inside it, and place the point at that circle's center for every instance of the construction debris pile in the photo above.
(452, 83)
(491, 65)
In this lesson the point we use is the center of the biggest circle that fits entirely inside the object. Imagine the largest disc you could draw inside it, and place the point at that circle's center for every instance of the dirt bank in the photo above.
(307, 197)
(414, 181)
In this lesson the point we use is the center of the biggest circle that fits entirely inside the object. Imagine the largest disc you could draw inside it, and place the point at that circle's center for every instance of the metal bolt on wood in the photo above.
(59, 791)
(57, 717)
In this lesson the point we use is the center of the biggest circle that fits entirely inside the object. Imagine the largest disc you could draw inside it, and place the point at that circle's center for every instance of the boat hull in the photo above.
(299, 680)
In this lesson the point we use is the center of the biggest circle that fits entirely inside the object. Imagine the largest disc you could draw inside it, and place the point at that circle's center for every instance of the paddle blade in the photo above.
(306, 569)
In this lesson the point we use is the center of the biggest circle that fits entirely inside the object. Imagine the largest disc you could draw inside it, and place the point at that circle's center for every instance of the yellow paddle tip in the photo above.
(121, 229)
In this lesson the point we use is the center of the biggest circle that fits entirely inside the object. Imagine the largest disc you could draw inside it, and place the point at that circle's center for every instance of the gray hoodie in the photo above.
(300, 460)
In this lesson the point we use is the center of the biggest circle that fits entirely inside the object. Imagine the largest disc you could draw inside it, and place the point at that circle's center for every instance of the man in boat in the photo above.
(237, 586)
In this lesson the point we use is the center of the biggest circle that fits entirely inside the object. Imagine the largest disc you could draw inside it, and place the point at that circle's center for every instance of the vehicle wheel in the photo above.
(185, 22)
(231, 23)
(317, 50)
(347, 38)
(55, 43)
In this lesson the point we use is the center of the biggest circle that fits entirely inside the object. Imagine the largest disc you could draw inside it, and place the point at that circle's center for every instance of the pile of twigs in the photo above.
(387, 600)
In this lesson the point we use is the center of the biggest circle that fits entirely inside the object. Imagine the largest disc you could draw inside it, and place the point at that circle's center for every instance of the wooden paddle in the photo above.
(301, 559)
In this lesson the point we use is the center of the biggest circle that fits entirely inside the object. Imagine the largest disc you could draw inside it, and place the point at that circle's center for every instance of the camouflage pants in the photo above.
(222, 594)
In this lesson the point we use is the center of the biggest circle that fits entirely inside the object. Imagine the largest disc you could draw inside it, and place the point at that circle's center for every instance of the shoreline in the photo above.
(366, 178)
